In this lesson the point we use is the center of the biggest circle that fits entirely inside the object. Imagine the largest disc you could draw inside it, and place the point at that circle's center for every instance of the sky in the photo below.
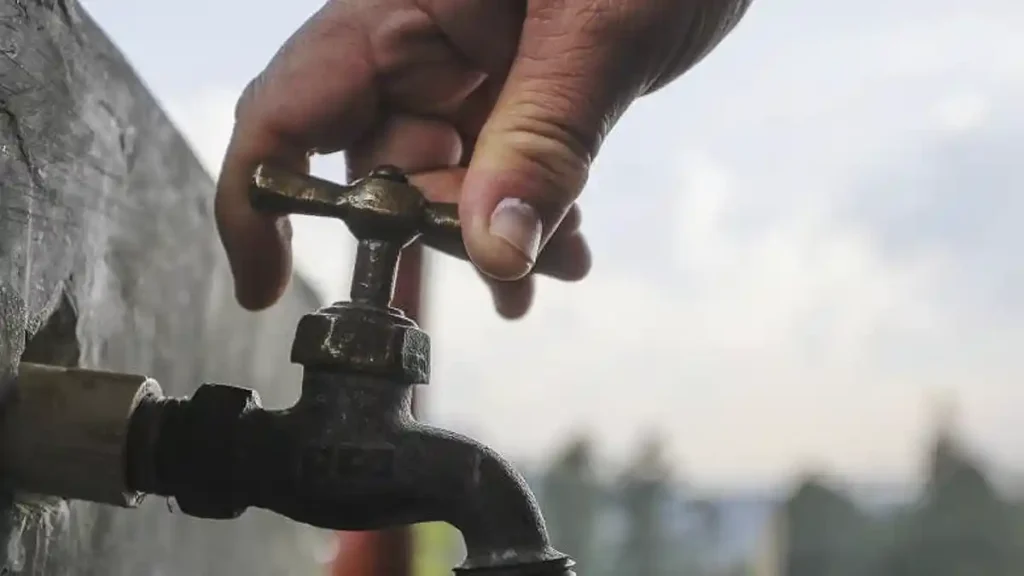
(801, 247)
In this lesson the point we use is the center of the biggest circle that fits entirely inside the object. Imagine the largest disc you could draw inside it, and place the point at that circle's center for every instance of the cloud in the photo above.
(961, 112)
(778, 280)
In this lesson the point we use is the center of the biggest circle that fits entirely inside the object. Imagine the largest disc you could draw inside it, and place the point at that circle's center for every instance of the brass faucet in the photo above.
(348, 455)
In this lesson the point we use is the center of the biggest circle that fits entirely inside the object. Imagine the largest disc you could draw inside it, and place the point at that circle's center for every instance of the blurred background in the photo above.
(797, 352)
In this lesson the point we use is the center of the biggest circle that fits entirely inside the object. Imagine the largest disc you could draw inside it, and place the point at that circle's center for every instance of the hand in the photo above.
(499, 105)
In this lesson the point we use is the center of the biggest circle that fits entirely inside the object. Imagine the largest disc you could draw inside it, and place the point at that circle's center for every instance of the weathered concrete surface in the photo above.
(106, 230)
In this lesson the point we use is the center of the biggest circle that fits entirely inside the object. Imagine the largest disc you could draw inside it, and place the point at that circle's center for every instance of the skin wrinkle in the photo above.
(597, 20)
(474, 112)
(406, 40)
(554, 101)
(543, 114)
(423, 36)
(534, 120)
(553, 168)
(455, 36)
(605, 24)
(308, 138)
(700, 39)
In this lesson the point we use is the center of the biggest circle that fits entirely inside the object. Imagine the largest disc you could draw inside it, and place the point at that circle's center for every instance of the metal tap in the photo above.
(348, 455)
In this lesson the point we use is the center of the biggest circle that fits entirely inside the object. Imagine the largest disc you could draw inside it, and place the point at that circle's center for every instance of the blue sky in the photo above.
(799, 247)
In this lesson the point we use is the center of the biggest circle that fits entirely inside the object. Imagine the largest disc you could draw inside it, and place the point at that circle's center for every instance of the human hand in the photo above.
(499, 105)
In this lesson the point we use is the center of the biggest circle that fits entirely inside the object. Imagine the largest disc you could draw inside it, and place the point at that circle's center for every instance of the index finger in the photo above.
(317, 94)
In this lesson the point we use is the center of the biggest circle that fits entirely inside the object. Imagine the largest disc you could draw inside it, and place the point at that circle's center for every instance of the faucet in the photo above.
(349, 455)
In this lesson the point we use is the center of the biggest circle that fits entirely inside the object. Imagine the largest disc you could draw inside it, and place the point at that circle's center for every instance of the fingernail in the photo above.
(518, 224)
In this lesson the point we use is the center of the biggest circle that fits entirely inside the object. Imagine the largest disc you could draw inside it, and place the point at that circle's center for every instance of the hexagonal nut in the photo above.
(364, 341)
(222, 402)
(213, 489)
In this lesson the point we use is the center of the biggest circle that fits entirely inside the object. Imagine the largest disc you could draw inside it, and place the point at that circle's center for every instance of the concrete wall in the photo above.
(109, 259)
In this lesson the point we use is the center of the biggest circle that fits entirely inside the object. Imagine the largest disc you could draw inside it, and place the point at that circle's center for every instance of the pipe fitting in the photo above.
(192, 443)
(64, 432)
(389, 344)
(347, 456)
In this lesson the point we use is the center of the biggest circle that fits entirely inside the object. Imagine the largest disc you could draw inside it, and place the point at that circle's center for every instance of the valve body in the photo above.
(349, 455)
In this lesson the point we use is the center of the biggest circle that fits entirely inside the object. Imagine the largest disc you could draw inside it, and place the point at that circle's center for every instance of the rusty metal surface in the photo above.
(383, 205)
(349, 455)
(389, 552)
(384, 212)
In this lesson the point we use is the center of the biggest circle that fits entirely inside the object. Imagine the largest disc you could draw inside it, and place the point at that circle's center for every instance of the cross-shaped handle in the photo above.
(383, 210)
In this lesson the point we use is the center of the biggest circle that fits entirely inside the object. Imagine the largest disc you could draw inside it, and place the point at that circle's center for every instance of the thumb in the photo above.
(564, 91)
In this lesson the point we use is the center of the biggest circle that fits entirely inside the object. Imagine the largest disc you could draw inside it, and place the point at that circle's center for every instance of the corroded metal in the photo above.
(382, 205)
(349, 455)
(384, 212)
(360, 339)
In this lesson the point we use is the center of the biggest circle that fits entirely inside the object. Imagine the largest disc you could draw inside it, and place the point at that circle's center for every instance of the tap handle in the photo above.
(383, 210)
(381, 206)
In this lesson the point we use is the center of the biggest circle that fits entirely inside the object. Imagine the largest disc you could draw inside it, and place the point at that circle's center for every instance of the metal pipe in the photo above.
(64, 431)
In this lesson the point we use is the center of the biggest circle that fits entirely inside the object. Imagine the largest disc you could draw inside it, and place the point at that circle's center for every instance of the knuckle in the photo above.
(546, 119)
(551, 153)
(595, 19)
(246, 100)
(604, 18)
(560, 124)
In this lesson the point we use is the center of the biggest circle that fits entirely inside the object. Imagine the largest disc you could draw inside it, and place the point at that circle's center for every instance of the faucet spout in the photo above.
(489, 502)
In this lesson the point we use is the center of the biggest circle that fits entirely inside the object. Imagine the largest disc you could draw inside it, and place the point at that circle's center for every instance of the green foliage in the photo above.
(571, 497)
(435, 549)
(643, 491)
(961, 526)
(826, 534)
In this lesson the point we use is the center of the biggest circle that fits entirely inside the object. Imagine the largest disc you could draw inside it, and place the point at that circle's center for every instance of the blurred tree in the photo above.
(571, 495)
(961, 526)
(644, 490)
(825, 532)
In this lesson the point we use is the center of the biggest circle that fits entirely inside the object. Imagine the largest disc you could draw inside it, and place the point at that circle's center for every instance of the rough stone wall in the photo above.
(109, 259)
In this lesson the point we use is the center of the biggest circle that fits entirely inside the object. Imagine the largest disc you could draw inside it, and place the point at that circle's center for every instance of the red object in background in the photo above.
(381, 553)
(387, 552)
